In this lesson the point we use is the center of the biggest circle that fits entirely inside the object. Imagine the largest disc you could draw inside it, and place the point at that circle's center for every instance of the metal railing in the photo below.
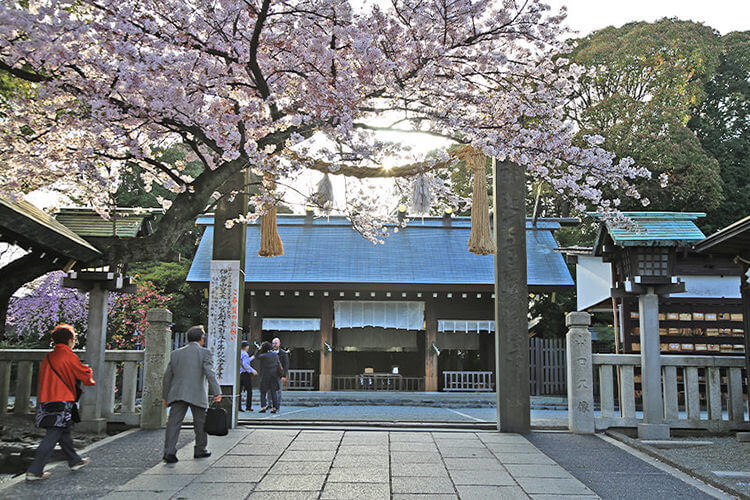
(119, 381)
(301, 380)
(377, 382)
(698, 391)
(468, 381)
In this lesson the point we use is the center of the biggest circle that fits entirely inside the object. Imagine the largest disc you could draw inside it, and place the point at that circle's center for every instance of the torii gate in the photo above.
(226, 293)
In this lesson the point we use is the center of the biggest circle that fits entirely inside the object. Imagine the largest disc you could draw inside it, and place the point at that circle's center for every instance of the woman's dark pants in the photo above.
(54, 435)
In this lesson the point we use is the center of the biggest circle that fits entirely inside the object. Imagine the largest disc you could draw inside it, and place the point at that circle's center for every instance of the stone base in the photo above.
(95, 426)
(743, 437)
(653, 431)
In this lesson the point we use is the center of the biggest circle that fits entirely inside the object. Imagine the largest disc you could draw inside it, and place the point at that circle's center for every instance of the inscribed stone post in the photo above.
(580, 374)
(156, 359)
(511, 300)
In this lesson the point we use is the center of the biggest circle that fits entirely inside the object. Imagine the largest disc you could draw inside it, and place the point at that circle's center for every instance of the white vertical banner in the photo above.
(223, 314)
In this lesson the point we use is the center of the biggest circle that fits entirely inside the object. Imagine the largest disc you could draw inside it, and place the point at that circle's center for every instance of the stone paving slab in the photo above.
(348, 491)
(367, 465)
(357, 475)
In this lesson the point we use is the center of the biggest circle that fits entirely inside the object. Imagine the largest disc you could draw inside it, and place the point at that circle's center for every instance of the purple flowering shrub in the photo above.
(32, 316)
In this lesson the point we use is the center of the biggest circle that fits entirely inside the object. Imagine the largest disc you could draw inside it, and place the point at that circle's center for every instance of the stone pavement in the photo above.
(292, 464)
(351, 463)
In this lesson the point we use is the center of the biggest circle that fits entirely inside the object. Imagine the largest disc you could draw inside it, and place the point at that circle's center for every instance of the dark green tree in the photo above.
(722, 124)
(640, 84)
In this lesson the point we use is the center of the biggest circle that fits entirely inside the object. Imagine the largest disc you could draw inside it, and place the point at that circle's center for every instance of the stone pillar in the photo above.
(158, 337)
(96, 342)
(580, 373)
(511, 300)
(430, 355)
(4, 386)
(326, 337)
(23, 387)
(653, 426)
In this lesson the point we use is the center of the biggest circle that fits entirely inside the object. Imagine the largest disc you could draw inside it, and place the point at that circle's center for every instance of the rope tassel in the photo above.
(480, 239)
(270, 241)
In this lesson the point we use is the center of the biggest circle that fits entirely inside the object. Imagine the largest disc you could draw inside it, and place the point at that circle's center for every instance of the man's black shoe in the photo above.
(202, 454)
(170, 459)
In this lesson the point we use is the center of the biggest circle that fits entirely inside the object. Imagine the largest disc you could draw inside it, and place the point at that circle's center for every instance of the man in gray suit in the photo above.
(190, 369)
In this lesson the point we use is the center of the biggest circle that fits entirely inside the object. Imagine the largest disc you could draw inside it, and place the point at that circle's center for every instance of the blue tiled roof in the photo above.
(657, 229)
(425, 252)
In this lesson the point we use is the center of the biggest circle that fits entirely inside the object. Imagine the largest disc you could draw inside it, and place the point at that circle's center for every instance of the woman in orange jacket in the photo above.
(60, 372)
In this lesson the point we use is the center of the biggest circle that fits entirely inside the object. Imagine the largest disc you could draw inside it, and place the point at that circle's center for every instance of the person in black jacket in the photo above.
(270, 367)
(284, 359)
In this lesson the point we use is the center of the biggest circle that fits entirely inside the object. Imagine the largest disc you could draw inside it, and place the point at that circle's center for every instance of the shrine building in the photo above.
(705, 317)
(403, 312)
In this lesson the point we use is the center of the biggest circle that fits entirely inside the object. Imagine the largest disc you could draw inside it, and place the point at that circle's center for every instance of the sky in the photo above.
(586, 16)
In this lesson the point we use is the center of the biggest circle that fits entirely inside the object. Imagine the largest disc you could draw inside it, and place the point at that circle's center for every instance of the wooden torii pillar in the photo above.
(98, 284)
(225, 325)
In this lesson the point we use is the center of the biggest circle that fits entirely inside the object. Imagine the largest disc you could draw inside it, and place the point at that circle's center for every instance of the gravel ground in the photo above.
(725, 454)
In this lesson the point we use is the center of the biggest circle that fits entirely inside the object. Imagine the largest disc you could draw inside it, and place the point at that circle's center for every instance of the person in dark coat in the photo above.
(270, 367)
(284, 360)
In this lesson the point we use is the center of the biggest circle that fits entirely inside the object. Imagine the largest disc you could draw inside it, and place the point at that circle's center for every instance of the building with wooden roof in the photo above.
(24, 225)
(705, 318)
(420, 293)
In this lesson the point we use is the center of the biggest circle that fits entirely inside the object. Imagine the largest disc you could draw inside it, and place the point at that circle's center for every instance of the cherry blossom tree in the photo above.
(280, 87)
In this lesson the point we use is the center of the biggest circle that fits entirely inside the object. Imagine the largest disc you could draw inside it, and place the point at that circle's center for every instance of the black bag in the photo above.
(54, 414)
(217, 421)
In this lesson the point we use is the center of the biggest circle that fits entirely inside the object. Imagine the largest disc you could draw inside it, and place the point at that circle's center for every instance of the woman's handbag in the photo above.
(217, 421)
(54, 414)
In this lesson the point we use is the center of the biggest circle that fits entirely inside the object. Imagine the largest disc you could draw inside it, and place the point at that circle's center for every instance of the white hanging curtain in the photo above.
(403, 315)
(292, 324)
(465, 326)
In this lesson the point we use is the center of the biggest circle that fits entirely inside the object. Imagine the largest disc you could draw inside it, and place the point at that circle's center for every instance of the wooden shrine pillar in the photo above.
(511, 300)
(326, 345)
(745, 292)
(430, 348)
(256, 323)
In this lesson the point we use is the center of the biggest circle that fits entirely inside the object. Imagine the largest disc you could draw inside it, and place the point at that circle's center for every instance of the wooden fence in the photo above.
(377, 382)
(468, 381)
(547, 367)
(301, 380)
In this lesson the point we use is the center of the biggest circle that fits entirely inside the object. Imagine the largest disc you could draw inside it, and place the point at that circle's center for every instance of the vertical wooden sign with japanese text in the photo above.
(223, 315)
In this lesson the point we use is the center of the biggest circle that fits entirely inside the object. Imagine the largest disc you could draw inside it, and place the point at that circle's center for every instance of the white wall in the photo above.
(593, 281)
(727, 287)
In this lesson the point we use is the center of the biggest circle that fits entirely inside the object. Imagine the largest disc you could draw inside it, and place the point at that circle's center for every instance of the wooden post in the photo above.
(511, 299)
(229, 244)
(430, 354)
(326, 337)
(745, 292)
(256, 322)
